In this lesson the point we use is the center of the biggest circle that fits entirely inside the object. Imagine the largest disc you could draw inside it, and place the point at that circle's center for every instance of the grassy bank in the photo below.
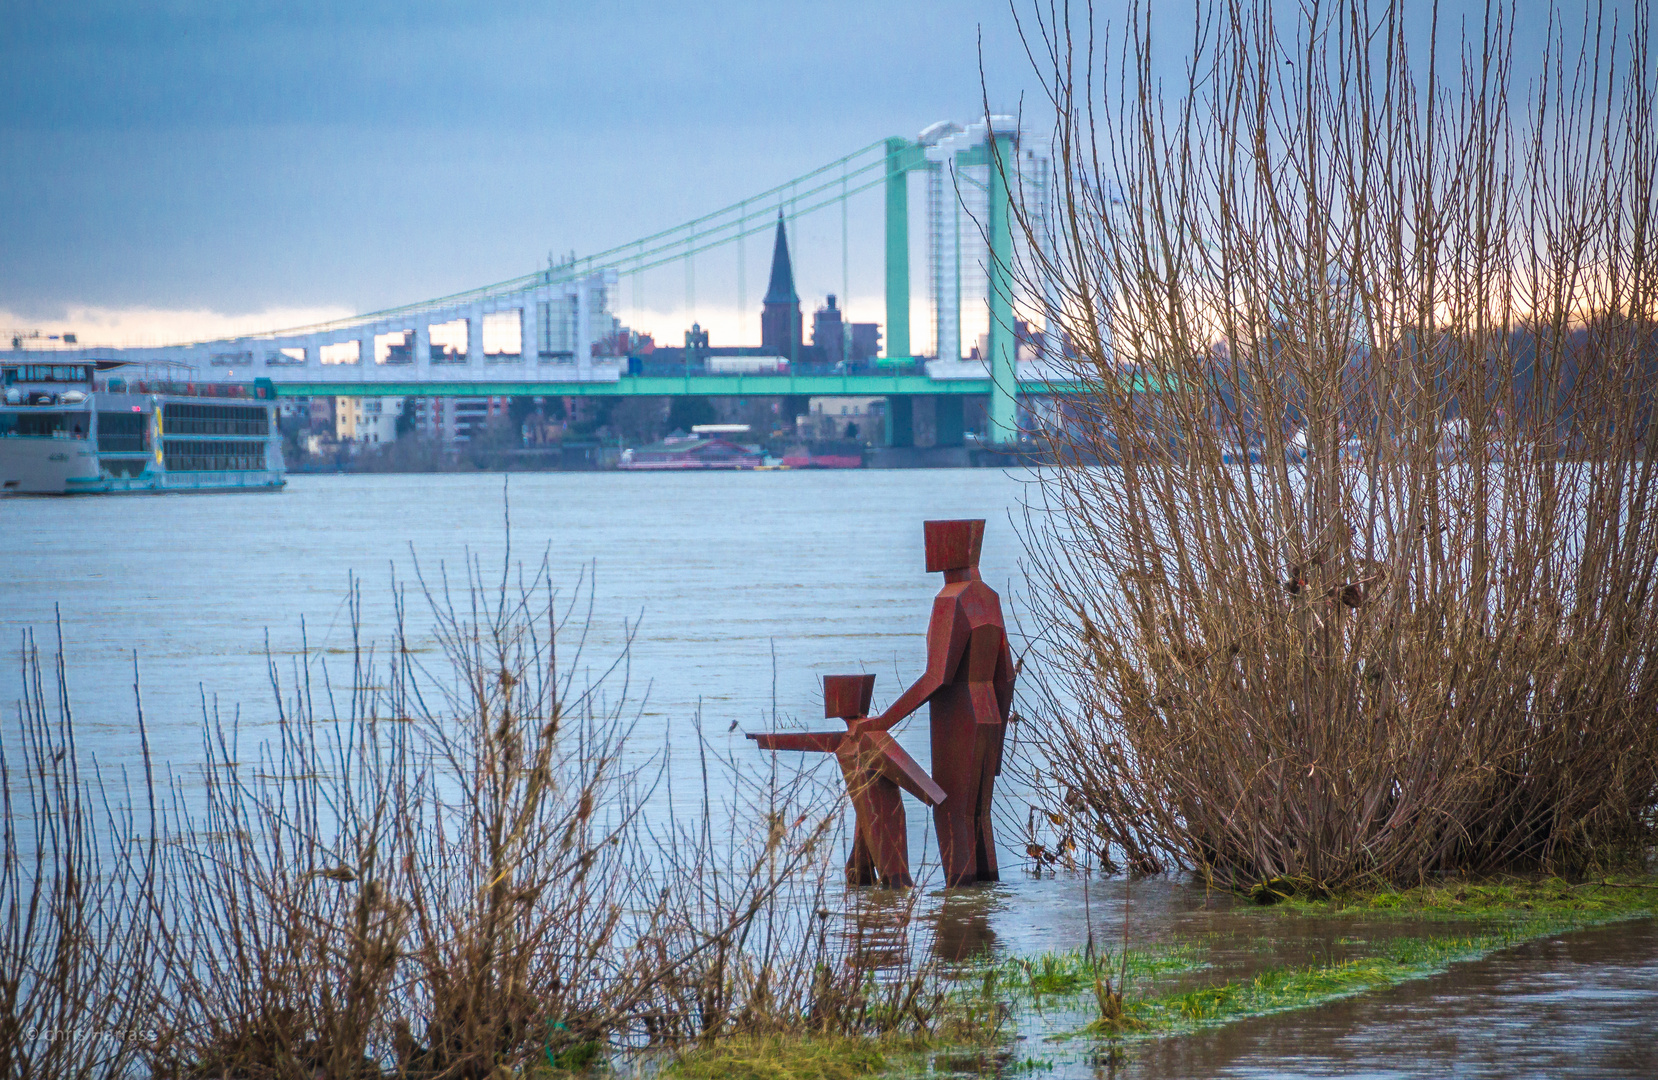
(796, 1058)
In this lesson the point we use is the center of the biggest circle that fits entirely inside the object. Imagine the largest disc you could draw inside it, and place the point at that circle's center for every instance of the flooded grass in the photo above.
(1040, 1014)
(1035, 1014)
(1259, 961)
(779, 1058)
(1612, 897)
(1280, 989)
(1504, 913)
(1074, 971)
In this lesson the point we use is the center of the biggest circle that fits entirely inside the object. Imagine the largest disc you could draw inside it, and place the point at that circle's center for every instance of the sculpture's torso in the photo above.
(968, 712)
(980, 687)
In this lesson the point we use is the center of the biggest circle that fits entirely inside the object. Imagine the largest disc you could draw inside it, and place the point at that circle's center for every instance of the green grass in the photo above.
(1074, 972)
(1591, 902)
(1502, 913)
(1494, 915)
(784, 1058)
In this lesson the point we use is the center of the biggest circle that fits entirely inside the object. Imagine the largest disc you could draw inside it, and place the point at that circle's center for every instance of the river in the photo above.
(739, 586)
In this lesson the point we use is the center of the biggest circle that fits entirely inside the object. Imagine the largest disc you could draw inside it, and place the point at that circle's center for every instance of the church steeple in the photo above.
(781, 290)
(780, 317)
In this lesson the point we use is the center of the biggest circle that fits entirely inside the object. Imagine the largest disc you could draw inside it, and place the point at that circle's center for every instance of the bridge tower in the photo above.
(903, 156)
(944, 147)
(1004, 344)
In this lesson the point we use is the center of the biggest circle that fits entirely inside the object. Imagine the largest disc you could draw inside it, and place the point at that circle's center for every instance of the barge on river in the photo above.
(83, 427)
(691, 453)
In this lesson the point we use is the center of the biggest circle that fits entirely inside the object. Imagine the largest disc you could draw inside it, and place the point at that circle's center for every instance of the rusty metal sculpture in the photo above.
(969, 685)
(875, 767)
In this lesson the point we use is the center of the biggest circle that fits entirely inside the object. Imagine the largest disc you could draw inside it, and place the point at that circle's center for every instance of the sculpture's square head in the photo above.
(953, 545)
(847, 696)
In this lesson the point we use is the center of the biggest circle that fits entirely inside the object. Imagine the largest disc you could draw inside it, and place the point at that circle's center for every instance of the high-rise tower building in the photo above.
(780, 317)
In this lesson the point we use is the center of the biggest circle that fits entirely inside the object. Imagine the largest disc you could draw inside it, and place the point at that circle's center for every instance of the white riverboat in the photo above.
(89, 427)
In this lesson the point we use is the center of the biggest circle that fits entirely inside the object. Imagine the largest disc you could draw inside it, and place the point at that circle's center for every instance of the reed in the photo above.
(1346, 573)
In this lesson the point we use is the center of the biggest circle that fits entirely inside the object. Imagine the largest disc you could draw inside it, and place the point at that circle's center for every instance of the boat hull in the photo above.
(30, 466)
(687, 466)
(161, 483)
(45, 466)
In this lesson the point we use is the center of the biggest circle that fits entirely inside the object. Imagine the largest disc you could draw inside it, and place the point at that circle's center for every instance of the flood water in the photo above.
(1581, 1005)
(740, 590)
(744, 588)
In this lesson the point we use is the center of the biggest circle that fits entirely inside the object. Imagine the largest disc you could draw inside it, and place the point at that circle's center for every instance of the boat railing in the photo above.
(119, 385)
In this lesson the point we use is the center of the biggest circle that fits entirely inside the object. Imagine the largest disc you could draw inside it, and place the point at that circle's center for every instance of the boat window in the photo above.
(36, 424)
(36, 373)
(122, 433)
(182, 419)
(205, 455)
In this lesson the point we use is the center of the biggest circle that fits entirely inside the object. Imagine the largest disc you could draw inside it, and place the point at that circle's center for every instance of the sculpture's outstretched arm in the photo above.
(825, 741)
(947, 635)
(896, 765)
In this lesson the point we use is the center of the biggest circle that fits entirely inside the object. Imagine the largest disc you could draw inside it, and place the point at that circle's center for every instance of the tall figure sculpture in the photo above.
(969, 684)
(875, 767)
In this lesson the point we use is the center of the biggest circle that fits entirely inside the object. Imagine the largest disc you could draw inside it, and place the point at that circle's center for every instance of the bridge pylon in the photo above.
(903, 156)
(1004, 343)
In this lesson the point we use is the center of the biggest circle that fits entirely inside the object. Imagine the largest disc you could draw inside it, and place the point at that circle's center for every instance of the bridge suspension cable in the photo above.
(605, 259)
(669, 241)
(682, 241)
(765, 225)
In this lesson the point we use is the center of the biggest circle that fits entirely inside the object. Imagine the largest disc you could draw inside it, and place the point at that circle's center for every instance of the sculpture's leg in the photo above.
(956, 845)
(990, 739)
(886, 834)
(860, 863)
(956, 768)
(860, 866)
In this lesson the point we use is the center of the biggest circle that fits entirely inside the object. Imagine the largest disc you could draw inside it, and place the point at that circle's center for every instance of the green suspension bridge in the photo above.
(556, 333)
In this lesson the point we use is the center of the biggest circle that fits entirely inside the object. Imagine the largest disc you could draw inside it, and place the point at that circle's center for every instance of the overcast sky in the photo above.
(203, 159)
(241, 157)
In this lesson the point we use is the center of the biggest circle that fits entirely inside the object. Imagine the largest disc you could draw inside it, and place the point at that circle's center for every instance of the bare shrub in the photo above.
(444, 868)
(1349, 572)
(810, 957)
(77, 882)
(286, 923)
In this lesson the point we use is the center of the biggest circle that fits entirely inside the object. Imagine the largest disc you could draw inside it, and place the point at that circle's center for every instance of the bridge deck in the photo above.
(676, 386)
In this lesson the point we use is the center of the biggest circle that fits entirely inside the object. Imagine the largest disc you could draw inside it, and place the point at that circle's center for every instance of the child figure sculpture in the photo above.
(875, 767)
(969, 684)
